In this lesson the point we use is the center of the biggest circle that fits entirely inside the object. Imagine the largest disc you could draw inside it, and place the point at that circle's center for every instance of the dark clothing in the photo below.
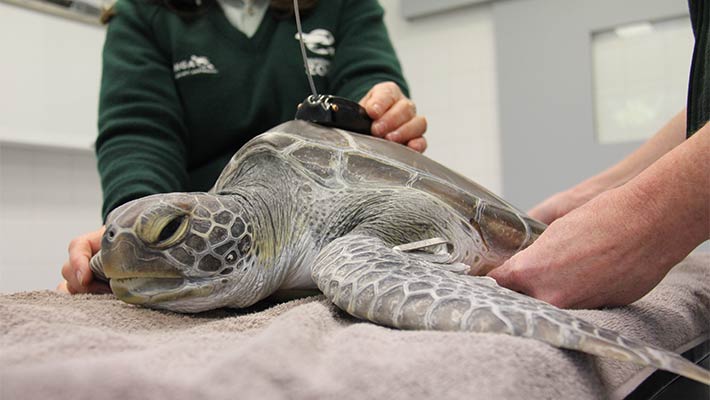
(699, 82)
(179, 97)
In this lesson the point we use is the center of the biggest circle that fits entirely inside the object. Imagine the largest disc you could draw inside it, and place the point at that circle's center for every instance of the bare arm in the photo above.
(618, 246)
(669, 136)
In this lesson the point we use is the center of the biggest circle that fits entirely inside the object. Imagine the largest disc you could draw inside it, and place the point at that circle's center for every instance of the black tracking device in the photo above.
(329, 110)
(334, 111)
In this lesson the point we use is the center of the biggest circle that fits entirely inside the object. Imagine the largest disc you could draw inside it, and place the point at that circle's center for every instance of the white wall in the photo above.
(47, 196)
(49, 78)
(49, 188)
(48, 96)
(449, 62)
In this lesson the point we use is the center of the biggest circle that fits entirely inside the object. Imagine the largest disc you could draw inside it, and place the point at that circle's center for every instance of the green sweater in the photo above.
(179, 97)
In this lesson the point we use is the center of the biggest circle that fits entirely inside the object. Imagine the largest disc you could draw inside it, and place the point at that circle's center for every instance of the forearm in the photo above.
(668, 137)
(675, 192)
(617, 246)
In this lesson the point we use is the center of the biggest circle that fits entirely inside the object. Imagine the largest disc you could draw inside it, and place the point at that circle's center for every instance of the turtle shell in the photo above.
(336, 159)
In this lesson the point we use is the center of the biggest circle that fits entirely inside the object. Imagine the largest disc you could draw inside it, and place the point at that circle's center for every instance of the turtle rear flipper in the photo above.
(369, 280)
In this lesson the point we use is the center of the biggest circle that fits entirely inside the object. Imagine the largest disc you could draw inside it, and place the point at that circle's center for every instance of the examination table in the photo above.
(56, 346)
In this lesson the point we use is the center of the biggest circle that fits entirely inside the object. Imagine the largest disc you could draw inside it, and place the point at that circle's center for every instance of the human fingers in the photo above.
(566, 201)
(94, 287)
(76, 270)
(379, 100)
(73, 269)
(418, 144)
(511, 275)
(588, 259)
(557, 206)
(522, 274)
(545, 212)
(403, 111)
(365, 100)
(67, 272)
(547, 269)
(62, 287)
(410, 130)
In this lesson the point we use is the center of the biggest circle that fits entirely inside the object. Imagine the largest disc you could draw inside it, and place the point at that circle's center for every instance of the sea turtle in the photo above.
(303, 205)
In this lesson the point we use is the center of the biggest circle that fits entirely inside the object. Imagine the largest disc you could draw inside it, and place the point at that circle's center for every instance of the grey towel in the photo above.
(57, 346)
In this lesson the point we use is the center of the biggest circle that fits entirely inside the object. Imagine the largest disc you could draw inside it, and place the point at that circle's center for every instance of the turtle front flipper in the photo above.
(370, 280)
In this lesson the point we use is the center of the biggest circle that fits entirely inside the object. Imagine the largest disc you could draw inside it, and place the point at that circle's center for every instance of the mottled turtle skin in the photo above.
(303, 206)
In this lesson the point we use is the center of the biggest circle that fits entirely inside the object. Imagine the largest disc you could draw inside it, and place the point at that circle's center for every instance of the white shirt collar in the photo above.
(245, 15)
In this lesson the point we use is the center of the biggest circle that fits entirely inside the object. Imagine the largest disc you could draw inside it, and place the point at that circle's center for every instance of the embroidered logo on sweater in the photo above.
(320, 42)
(195, 65)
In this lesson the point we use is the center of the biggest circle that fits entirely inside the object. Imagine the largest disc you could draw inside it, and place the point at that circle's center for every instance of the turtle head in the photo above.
(186, 252)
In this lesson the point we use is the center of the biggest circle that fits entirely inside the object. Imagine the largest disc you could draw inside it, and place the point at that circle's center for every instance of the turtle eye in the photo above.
(163, 231)
(172, 232)
(170, 229)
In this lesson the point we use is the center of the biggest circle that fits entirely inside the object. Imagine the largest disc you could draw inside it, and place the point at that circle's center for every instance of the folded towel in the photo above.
(55, 346)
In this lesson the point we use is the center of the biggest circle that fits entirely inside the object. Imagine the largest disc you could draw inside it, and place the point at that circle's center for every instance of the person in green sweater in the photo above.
(186, 83)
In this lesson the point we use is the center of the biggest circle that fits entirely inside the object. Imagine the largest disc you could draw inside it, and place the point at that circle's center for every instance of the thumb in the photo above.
(500, 273)
(509, 274)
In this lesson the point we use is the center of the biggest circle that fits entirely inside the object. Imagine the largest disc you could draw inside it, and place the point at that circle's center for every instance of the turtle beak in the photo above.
(96, 265)
(135, 275)
(153, 291)
(139, 289)
(124, 256)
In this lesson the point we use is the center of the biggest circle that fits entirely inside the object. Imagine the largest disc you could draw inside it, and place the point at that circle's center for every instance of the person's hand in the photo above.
(562, 203)
(650, 213)
(78, 277)
(395, 116)
(610, 251)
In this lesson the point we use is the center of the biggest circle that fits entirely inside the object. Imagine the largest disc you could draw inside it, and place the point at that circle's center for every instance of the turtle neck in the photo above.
(245, 15)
